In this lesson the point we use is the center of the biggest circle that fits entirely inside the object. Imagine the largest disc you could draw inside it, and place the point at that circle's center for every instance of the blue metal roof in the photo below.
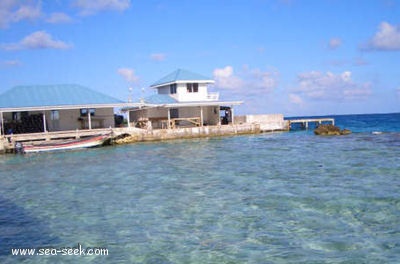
(181, 75)
(159, 99)
(53, 95)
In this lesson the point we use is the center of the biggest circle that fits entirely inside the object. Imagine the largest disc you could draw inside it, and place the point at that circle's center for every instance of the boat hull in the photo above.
(68, 145)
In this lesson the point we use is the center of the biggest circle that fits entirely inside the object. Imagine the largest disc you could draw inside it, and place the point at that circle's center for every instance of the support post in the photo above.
(232, 115)
(44, 121)
(219, 115)
(169, 118)
(201, 116)
(2, 124)
(128, 119)
(89, 119)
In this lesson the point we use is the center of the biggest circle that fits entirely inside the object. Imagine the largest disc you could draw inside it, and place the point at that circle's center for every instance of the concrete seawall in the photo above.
(249, 124)
(189, 132)
(268, 123)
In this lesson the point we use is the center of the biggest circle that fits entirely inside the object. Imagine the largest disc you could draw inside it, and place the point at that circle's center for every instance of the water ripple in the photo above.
(270, 198)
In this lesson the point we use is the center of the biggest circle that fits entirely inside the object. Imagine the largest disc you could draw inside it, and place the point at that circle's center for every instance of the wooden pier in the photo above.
(305, 121)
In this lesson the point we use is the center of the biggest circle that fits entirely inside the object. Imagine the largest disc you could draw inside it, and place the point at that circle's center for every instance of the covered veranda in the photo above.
(42, 122)
(175, 115)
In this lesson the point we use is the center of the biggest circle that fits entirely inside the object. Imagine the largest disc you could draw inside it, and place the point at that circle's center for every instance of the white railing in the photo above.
(213, 96)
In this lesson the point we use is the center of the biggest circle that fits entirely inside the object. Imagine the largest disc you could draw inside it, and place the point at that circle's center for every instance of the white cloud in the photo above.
(28, 12)
(387, 38)
(359, 61)
(225, 79)
(92, 7)
(247, 81)
(334, 43)
(58, 18)
(37, 40)
(356, 61)
(398, 93)
(264, 81)
(128, 74)
(295, 99)
(329, 86)
(11, 63)
(158, 56)
(13, 11)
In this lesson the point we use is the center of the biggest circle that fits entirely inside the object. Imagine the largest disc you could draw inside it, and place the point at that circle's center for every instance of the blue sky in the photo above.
(296, 57)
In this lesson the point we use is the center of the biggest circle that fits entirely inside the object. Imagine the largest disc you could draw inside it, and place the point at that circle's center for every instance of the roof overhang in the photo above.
(183, 104)
(67, 107)
(194, 104)
(182, 81)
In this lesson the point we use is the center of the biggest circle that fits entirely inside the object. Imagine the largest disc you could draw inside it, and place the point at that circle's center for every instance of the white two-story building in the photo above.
(182, 99)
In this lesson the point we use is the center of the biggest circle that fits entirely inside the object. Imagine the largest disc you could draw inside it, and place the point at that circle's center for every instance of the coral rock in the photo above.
(330, 130)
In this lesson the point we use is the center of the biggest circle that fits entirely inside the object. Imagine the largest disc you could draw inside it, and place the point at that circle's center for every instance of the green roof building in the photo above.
(182, 99)
(41, 108)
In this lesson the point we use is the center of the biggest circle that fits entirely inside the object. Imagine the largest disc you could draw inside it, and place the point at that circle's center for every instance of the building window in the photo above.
(54, 115)
(172, 88)
(174, 112)
(16, 116)
(192, 87)
(84, 111)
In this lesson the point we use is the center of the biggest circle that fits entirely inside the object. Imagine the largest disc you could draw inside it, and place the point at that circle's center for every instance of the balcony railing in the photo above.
(213, 96)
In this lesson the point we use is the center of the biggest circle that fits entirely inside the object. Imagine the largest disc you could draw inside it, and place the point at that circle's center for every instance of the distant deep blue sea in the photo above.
(289, 197)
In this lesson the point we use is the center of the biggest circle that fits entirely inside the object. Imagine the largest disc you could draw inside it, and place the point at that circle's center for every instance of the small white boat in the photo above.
(89, 142)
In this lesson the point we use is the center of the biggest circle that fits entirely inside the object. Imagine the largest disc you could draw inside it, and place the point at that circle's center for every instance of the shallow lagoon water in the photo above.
(270, 198)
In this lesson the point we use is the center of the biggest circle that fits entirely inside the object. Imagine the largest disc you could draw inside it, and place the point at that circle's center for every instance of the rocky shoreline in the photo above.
(330, 130)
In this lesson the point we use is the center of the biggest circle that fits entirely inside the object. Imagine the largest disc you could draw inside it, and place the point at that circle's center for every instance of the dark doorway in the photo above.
(225, 115)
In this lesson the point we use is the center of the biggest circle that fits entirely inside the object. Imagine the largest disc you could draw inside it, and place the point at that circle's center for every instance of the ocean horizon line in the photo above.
(348, 114)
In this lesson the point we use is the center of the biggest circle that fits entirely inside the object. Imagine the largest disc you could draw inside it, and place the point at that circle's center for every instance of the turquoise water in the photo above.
(270, 198)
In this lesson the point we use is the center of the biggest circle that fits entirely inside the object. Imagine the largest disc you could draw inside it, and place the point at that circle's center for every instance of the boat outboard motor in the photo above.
(19, 148)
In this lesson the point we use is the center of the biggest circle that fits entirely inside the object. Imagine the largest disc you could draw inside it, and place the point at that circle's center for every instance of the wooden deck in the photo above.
(57, 135)
(191, 120)
(305, 121)
(162, 122)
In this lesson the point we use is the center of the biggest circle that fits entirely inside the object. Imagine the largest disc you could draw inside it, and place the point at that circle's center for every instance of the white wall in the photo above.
(182, 95)
(211, 115)
(267, 122)
(69, 119)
